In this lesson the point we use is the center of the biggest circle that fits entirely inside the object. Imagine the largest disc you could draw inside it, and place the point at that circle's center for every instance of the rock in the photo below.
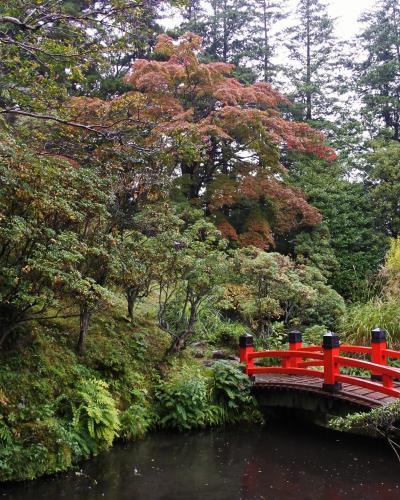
(200, 344)
(220, 354)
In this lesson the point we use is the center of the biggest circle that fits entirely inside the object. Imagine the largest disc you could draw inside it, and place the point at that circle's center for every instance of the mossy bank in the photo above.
(57, 409)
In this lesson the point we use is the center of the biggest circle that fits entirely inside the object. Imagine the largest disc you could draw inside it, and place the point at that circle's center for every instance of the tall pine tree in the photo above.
(263, 40)
(378, 76)
(311, 44)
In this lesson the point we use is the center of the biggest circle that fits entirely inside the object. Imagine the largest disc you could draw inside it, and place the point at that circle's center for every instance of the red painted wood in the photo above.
(391, 354)
(245, 357)
(356, 349)
(285, 354)
(300, 360)
(331, 367)
(375, 387)
(287, 371)
(293, 360)
(368, 365)
(379, 358)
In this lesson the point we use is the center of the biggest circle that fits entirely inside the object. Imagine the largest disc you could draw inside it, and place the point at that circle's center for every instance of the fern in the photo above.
(95, 416)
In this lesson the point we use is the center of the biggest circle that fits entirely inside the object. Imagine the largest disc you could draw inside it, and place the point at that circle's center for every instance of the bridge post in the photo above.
(295, 343)
(246, 345)
(331, 350)
(378, 344)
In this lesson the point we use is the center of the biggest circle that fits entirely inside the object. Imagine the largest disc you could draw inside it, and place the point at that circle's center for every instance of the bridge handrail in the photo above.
(369, 384)
(287, 371)
(285, 354)
(368, 365)
(359, 349)
(390, 353)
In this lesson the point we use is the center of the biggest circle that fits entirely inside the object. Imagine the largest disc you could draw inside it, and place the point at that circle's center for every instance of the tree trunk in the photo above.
(84, 319)
(131, 297)
(225, 36)
(308, 63)
(266, 43)
(179, 343)
(4, 333)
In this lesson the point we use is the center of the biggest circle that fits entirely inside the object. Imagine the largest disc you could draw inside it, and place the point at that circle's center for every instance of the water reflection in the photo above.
(268, 463)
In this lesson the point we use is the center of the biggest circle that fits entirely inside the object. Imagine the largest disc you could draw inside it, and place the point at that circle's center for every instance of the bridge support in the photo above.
(378, 345)
(246, 345)
(331, 350)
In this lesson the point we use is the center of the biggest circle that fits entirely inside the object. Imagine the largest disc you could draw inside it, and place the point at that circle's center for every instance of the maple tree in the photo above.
(221, 140)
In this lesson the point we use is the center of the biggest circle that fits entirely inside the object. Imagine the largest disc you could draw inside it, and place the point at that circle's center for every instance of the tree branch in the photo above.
(90, 128)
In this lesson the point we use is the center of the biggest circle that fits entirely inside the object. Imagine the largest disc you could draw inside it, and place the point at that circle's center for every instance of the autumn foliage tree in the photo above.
(220, 140)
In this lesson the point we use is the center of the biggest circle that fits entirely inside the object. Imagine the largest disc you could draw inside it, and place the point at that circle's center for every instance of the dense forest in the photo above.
(172, 176)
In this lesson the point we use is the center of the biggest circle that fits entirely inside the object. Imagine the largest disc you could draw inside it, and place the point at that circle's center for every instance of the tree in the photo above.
(46, 48)
(312, 45)
(269, 287)
(48, 208)
(383, 181)
(222, 138)
(262, 40)
(140, 264)
(351, 219)
(192, 270)
(378, 75)
(224, 27)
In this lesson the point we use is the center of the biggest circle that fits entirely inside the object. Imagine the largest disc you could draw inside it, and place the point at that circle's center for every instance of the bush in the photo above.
(360, 319)
(228, 332)
(191, 400)
(231, 392)
(183, 403)
(137, 418)
(313, 335)
(41, 447)
(95, 416)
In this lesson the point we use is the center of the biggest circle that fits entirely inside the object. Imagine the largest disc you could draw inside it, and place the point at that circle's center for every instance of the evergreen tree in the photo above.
(350, 217)
(383, 181)
(312, 44)
(223, 26)
(263, 35)
(378, 76)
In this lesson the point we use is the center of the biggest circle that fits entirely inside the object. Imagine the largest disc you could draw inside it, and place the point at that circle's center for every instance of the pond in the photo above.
(273, 462)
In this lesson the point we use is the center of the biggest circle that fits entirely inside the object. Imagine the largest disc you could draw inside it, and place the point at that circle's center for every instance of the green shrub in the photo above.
(228, 332)
(381, 421)
(137, 418)
(231, 392)
(184, 403)
(360, 319)
(95, 416)
(41, 447)
(313, 335)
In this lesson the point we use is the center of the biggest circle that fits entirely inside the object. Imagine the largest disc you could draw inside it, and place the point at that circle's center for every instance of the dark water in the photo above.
(268, 463)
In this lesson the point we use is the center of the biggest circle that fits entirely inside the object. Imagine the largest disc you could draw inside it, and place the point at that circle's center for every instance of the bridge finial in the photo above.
(330, 340)
(295, 336)
(378, 336)
(246, 340)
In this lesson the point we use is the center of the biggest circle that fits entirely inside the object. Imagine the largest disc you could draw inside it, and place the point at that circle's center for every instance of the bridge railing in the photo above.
(325, 361)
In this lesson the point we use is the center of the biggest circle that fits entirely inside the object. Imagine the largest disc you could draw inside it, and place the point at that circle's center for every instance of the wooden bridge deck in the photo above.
(351, 393)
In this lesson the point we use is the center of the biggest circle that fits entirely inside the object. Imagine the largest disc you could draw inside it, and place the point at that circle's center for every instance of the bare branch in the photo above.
(17, 22)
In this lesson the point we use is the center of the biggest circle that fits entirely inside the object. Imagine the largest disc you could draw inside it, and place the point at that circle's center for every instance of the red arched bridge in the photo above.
(321, 370)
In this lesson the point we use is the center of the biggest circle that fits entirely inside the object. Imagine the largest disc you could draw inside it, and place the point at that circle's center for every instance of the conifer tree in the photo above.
(312, 45)
(378, 76)
(263, 35)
